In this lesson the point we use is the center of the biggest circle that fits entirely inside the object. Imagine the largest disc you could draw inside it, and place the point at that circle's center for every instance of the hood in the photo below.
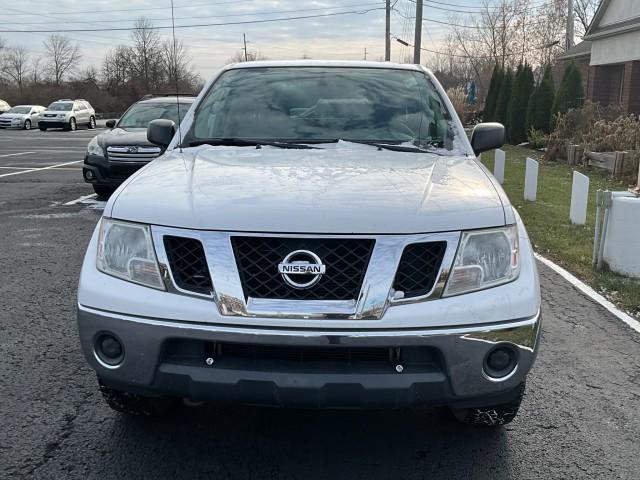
(124, 137)
(340, 191)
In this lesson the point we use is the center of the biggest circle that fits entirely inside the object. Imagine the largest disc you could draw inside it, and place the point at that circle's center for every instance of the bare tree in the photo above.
(584, 10)
(251, 56)
(89, 75)
(177, 65)
(146, 49)
(15, 63)
(62, 56)
(117, 68)
(35, 69)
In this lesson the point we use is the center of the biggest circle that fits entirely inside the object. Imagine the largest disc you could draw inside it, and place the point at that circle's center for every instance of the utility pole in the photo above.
(570, 25)
(246, 55)
(418, 40)
(387, 32)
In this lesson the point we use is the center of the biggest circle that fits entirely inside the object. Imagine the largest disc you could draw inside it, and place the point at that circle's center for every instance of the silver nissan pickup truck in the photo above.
(317, 234)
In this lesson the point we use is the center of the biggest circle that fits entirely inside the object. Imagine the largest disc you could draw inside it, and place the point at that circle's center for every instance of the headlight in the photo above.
(485, 258)
(94, 148)
(125, 250)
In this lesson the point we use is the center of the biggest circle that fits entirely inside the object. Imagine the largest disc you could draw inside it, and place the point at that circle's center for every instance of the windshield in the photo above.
(60, 106)
(20, 110)
(140, 114)
(323, 103)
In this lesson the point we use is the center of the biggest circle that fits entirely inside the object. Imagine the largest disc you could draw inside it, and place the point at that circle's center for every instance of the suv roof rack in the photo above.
(64, 100)
(155, 95)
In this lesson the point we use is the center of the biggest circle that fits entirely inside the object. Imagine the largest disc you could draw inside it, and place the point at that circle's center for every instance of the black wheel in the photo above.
(492, 416)
(43, 129)
(136, 405)
(27, 124)
(72, 124)
(92, 123)
(102, 191)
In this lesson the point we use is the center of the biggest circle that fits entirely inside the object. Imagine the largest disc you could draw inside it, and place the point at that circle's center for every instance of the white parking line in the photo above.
(81, 199)
(591, 293)
(15, 154)
(31, 168)
(39, 169)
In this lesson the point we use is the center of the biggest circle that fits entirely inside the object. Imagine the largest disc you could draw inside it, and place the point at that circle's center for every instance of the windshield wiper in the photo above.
(394, 147)
(241, 142)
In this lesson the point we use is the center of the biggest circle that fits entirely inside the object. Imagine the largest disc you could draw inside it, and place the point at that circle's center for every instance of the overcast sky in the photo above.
(332, 37)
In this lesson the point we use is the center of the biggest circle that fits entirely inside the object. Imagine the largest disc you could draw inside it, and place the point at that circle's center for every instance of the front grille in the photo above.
(304, 355)
(419, 267)
(346, 262)
(188, 264)
(132, 153)
(296, 358)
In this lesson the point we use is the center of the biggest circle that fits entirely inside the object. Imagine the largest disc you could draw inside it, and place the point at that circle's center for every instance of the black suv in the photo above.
(117, 153)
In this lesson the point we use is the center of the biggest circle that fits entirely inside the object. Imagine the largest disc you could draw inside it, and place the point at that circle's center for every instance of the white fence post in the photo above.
(498, 165)
(579, 198)
(531, 180)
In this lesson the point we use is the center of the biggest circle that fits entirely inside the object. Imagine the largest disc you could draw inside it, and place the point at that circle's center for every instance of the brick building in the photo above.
(609, 56)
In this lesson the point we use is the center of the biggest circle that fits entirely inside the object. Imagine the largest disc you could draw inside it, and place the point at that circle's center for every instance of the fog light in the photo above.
(109, 349)
(88, 174)
(500, 361)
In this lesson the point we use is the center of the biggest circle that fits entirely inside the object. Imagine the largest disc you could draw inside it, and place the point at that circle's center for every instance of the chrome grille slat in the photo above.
(132, 153)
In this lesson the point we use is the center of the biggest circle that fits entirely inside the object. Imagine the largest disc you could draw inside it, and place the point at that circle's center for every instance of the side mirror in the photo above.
(161, 131)
(487, 136)
(111, 123)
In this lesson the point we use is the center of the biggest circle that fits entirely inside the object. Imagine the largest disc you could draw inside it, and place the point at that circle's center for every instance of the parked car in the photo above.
(68, 114)
(22, 116)
(4, 107)
(116, 154)
(316, 234)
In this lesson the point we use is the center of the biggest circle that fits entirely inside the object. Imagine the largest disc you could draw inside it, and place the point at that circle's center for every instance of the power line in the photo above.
(196, 25)
(201, 17)
(78, 12)
(486, 57)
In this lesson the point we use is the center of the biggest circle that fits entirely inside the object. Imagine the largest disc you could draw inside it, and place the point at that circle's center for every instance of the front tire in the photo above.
(27, 124)
(92, 123)
(43, 129)
(72, 125)
(491, 416)
(136, 405)
(102, 191)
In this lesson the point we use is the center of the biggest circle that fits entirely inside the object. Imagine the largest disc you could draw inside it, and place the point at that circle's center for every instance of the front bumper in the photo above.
(61, 123)
(456, 377)
(106, 173)
(11, 124)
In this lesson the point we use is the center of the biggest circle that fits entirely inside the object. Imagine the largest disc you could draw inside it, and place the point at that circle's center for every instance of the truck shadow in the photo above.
(248, 442)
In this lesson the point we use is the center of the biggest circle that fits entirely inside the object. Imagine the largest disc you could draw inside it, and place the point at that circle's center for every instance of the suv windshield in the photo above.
(20, 110)
(60, 106)
(140, 114)
(298, 104)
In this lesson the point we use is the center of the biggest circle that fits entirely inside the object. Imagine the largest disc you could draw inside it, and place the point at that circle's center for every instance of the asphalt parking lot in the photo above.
(580, 417)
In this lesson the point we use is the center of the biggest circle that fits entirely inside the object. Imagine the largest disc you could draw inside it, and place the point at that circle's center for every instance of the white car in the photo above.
(4, 107)
(316, 234)
(68, 114)
(22, 116)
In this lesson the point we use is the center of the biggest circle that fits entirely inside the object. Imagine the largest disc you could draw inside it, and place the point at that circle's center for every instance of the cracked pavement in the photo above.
(579, 418)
